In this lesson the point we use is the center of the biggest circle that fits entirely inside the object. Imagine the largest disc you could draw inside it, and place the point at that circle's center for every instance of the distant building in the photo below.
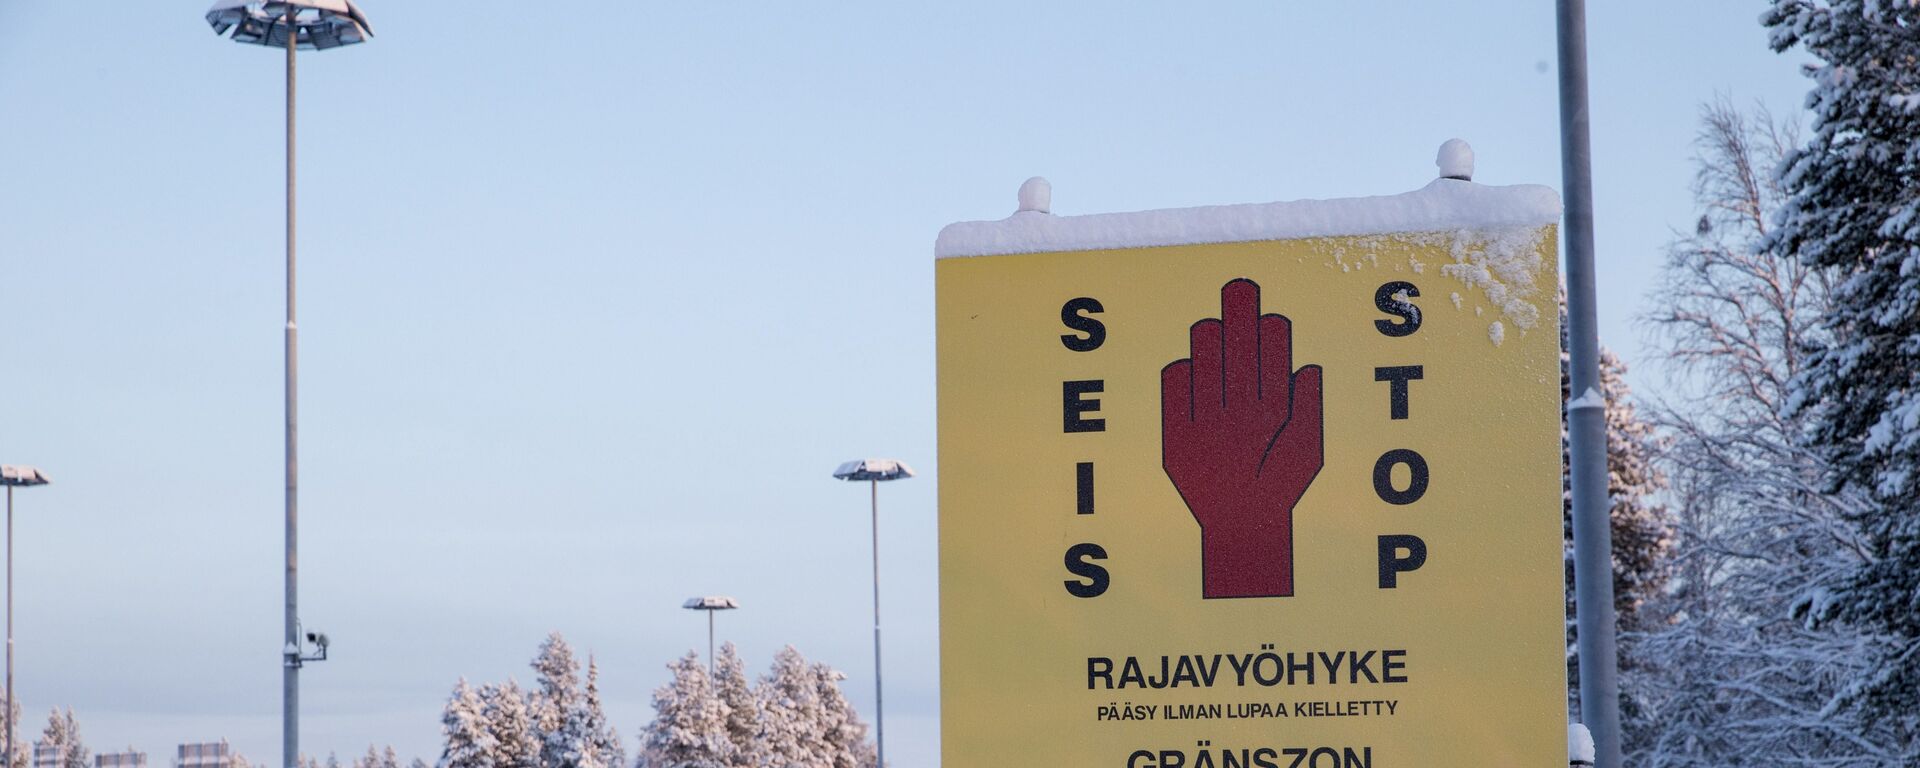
(210, 754)
(127, 759)
(46, 755)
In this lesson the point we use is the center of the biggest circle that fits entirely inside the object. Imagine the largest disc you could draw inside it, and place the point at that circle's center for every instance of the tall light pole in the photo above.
(11, 476)
(874, 472)
(1586, 410)
(710, 604)
(314, 25)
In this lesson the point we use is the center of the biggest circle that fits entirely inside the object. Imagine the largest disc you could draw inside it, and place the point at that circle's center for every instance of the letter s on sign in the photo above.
(1078, 564)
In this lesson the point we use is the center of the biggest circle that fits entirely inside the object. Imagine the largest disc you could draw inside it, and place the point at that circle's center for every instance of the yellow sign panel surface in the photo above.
(1288, 502)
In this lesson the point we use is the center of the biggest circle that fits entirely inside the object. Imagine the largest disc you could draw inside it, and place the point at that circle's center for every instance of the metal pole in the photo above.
(9, 718)
(1586, 413)
(290, 714)
(710, 645)
(879, 706)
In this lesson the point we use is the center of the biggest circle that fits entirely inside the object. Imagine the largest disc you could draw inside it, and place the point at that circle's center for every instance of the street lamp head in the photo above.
(11, 474)
(711, 603)
(873, 469)
(317, 24)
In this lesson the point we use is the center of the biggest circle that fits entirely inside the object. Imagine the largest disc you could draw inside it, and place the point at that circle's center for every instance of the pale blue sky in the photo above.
(595, 294)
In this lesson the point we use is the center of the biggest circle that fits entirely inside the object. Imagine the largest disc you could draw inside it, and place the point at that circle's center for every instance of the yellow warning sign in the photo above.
(1214, 492)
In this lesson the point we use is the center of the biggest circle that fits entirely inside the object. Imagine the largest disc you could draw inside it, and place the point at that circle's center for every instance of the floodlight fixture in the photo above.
(315, 25)
(18, 475)
(711, 603)
(875, 470)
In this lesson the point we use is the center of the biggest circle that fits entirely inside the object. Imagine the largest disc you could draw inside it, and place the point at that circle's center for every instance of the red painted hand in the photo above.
(1241, 439)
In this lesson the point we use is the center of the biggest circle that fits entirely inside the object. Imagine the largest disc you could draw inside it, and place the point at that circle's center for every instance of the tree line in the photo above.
(794, 716)
(1765, 515)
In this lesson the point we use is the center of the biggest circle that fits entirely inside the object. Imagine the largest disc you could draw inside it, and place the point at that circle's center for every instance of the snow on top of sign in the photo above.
(1444, 205)
(1493, 234)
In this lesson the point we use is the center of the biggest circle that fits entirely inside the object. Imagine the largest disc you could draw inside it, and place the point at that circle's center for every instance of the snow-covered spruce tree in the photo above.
(689, 728)
(605, 750)
(376, 758)
(63, 734)
(555, 706)
(1853, 206)
(418, 763)
(743, 710)
(516, 744)
(789, 705)
(1730, 678)
(463, 727)
(840, 727)
(1637, 522)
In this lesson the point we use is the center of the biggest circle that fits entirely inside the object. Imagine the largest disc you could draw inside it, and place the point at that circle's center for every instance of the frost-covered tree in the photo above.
(22, 756)
(844, 734)
(516, 743)
(375, 758)
(1853, 206)
(418, 763)
(62, 735)
(1638, 523)
(1730, 677)
(689, 728)
(604, 742)
(743, 710)
(789, 703)
(556, 706)
(463, 727)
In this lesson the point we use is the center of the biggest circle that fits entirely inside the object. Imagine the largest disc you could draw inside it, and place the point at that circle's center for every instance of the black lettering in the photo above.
(1399, 375)
(1072, 405)
(1096, 331)
(1358, 667)
(1083, 486)
(1099, 668)
(1305, 665)
(1391, 304)
(1097, 579)
(1388, 665)
(1392, 564)
(1383, 476)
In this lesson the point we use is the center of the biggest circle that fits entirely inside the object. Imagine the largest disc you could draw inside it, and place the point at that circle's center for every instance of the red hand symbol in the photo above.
(1241, 439)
